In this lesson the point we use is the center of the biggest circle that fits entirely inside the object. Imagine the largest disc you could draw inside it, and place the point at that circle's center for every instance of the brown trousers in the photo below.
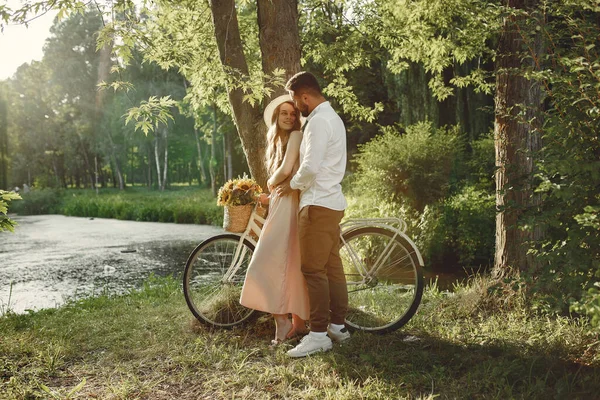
(319, 232)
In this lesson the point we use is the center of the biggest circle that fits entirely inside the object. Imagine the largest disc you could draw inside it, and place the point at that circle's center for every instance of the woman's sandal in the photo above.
(277, 341)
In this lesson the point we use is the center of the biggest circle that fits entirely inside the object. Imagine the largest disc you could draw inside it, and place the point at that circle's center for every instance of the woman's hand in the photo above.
(264, 199)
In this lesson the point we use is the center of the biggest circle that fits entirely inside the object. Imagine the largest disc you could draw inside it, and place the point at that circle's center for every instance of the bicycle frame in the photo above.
(240, 250)
(395, 225)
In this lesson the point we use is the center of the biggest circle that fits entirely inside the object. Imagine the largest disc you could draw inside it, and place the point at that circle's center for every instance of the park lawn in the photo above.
(146, 345)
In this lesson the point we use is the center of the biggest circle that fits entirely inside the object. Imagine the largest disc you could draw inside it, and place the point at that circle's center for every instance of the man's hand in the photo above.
(283, 189)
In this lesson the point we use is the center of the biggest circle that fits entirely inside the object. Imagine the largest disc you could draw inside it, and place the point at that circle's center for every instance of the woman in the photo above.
(274, 282)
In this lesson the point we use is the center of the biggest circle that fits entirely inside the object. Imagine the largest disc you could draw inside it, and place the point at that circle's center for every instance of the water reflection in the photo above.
(53, 258)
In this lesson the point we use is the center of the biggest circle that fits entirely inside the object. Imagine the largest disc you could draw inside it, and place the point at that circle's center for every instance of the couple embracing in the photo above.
(296, 267)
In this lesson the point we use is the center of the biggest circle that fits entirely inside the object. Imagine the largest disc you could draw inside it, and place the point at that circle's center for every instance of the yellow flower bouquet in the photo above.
(239, 196)
(239, 192)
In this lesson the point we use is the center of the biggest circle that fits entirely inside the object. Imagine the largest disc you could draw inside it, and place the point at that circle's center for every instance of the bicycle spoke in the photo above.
(384, 279)
(214, 278)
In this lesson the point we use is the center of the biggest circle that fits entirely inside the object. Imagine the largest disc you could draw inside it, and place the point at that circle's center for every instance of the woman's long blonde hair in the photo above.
(277, 139)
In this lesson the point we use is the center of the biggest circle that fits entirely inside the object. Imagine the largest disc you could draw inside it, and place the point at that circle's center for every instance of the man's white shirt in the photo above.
(322, 160)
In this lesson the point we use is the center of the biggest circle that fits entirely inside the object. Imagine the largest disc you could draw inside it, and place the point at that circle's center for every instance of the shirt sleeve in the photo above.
(316, 137)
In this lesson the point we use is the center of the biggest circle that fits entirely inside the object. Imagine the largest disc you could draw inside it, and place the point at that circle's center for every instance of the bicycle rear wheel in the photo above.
(384, 279)
(212, 286)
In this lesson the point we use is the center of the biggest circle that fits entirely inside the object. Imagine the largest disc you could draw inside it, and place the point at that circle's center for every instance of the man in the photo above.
(322, 205)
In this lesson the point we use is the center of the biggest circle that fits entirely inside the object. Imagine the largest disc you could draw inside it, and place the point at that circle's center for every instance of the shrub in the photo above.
(411, 168)
(482, 163)
(39, 201)
(459, 231)
(454, 233)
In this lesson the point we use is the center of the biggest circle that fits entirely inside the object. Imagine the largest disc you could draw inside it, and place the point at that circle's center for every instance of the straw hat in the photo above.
(268, 114)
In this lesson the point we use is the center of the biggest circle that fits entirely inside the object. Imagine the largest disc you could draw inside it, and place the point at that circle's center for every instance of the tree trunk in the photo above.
(280, 48)
(228, 159)
(3, 144)
(158, 177)
(88, 168)
(104, 64)
(118, 171)
(55, 169)
(96, 174)
(212, 165)
(225, 155)
(149, 167)
(165, 164)
(115, 159)
(132, 178)
(518, 103)
(201, 166)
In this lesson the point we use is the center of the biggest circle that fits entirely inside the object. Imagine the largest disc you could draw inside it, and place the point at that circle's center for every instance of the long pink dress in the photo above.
(274, 282)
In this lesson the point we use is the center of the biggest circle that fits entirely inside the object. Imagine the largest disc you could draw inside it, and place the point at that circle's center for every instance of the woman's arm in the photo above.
(289, 160)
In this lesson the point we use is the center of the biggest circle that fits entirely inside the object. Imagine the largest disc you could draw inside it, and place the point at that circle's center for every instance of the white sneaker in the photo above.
(340, 336)
(311, 344)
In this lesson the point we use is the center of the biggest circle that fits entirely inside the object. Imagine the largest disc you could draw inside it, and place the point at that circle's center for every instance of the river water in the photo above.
(51, 258)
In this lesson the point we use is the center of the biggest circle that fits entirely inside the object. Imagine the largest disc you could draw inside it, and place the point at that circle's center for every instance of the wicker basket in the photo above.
(236, 217)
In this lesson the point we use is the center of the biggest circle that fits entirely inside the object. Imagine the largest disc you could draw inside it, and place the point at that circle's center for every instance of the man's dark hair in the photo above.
(303, 82)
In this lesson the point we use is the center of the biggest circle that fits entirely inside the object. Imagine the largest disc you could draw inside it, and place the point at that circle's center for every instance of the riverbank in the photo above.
(180, 204)
(147, 345)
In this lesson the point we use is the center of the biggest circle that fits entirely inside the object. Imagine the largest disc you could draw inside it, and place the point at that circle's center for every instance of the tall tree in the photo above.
(3, 141)
(70, 52)
(517, 136)
(280, 50)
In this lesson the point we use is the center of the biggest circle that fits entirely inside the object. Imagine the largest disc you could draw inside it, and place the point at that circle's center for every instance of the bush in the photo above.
(411, 168)
(455, 233)
(459, 231)
(482, 164)
(39, 201)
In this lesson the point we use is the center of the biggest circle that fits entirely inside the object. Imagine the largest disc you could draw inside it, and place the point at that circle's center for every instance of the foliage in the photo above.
(179, 206)
(482, 164)
(185, 206)
(569, 164)
(459, 230)
(239, 192)
(5, 198)
(411, 168)
(40, 201)
(454, 233)
(438, 33)
(454, 228)
(150, 113)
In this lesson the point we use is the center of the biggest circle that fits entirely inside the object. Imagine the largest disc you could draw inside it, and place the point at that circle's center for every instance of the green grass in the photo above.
(146, 345)
(186, 205)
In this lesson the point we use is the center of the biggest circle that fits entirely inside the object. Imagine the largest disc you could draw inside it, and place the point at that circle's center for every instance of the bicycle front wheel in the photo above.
(213, 279)
(384, 279)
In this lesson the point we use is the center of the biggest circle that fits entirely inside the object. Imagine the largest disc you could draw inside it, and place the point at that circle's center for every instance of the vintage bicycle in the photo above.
(383, 269)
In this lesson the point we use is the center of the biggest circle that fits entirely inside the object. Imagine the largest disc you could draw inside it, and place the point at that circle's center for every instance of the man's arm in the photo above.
(283, 189)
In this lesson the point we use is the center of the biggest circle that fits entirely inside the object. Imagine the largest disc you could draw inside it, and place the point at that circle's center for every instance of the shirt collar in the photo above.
(317, 108)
